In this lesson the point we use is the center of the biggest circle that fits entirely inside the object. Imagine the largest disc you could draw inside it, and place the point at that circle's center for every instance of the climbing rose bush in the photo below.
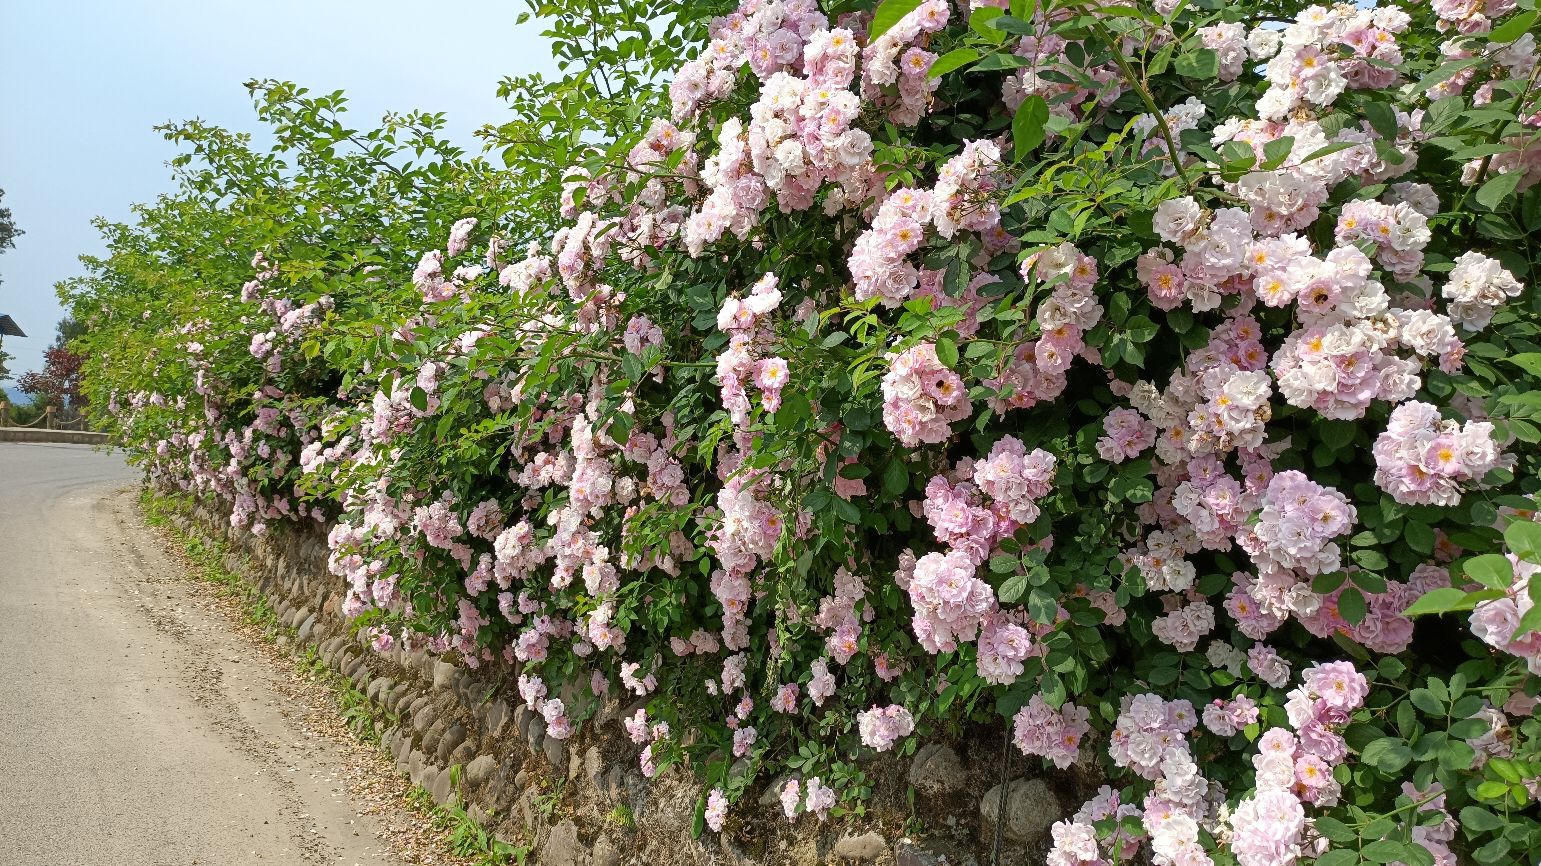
(1155, 379)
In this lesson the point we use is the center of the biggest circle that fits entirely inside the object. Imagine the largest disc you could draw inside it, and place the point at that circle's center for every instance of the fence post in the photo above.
(48, 417)
(5, 414)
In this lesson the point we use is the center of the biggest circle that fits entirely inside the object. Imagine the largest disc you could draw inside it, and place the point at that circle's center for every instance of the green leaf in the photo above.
(947, 352)
(1384, 851)
(888, 14)
(1523, 538)
(1530, 362)
(1505, 769)
(1000, 60)
(1443, 112)
(1238, 155)
(1335, 830)
(1325, 583)
(1446, 71)
(1012, 24)
(1338, 856)
(896, 478)
(1479, 819)
(955, 59)
(1492, 570)
(1041, 605)
(1382, 117)
(419, 399)
(1417, 855)
(1012, 589)
(1425, 700)
(1419, 537)
(1497, 188)
(1027, 124)
(1337, 434)
(1387, 754)
(1352, 607)
(1442, 600)
(1469, 729)
(1203, 63)
(1276, 152)
(1369, 558)
(1531, 621)
(1513, 29)
(1329, 150)
(1141, 329)
(1494, 852)
(1492, 790)
(1368, 581)
(979, 21)
(847, 511)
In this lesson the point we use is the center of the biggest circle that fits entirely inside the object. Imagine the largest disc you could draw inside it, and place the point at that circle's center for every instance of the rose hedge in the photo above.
(1136, 373)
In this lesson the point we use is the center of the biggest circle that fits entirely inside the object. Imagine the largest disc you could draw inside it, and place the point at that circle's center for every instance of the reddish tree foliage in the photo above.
(58, 383)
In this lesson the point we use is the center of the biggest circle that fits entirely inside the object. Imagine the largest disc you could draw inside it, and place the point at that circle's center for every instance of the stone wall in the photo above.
(585, 802)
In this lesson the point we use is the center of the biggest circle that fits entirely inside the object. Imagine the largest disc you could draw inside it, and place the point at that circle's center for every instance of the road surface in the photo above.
(136, 727)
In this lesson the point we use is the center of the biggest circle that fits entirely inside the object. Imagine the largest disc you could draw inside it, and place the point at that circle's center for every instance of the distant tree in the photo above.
(8, 229)
(58, 383)
(8, 233)
(67, 330)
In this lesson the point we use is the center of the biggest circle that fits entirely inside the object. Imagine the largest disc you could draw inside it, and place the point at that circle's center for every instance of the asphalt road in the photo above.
(135, 726)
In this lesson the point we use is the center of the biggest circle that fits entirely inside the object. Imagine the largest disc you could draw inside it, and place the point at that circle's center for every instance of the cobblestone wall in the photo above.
(584, 801)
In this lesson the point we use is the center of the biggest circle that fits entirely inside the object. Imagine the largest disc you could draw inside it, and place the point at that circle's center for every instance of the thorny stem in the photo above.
(1497, 133)
(1150, 103)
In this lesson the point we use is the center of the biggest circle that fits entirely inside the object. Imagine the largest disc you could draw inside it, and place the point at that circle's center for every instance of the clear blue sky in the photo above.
(82, 83)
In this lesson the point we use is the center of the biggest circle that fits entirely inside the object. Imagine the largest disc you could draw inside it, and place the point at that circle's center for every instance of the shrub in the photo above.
(1134, 373)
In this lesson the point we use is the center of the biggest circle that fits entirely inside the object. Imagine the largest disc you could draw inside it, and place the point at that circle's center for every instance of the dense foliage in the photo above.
(8, 233)
(1135, 373)
(58, 383)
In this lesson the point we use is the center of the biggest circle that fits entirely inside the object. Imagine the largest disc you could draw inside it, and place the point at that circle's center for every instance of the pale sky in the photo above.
(82, 83)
